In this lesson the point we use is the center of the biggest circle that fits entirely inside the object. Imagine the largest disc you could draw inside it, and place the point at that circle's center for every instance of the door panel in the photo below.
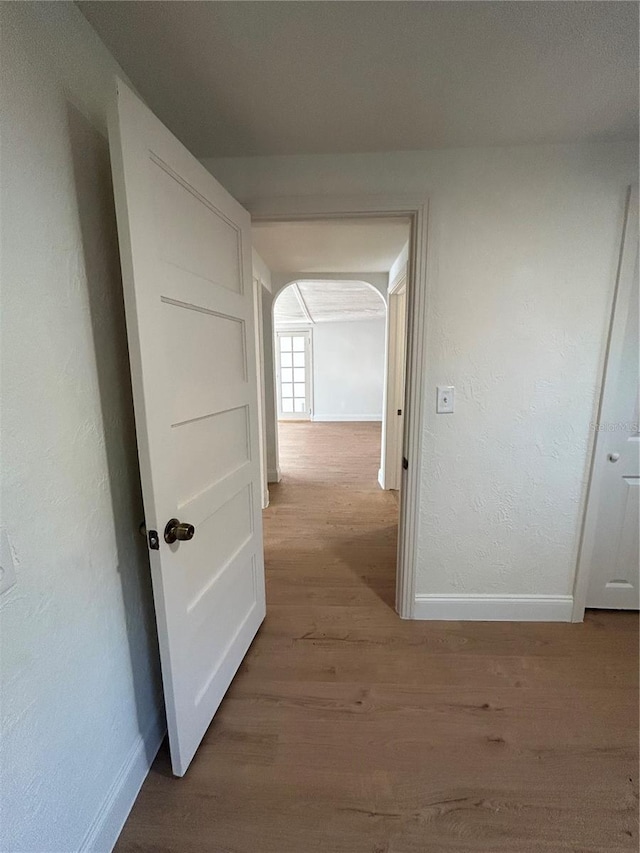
(192, 234)
(198, 341)
(195, 446)
(186, 260)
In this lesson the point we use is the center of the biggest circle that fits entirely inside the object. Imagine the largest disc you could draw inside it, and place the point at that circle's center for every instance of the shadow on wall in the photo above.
(94, 192)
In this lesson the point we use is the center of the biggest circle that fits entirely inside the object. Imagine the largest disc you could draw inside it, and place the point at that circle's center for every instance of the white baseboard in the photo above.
(494, 608)
(274, 476)
(107, 825)
(350, 418)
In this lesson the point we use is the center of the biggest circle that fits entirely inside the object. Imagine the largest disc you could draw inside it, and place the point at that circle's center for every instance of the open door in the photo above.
(390, 474)
(185, 246)
(611, 545)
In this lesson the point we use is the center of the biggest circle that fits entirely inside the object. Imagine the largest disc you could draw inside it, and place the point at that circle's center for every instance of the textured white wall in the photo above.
(522, 258)
(81, 701)
(348, 370)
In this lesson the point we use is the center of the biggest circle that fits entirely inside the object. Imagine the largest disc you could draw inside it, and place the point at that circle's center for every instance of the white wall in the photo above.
(348, 370)
(522, 257)
(81, 700)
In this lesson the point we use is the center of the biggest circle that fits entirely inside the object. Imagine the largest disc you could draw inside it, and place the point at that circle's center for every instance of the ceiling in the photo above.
(249, 78)
(310, 302)
(330, 246)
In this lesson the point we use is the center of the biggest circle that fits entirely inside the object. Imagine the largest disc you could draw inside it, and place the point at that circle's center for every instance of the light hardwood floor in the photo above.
(348, 730)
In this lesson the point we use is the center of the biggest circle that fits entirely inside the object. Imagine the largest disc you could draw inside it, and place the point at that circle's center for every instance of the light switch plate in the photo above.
(445, 399)
(7, 569)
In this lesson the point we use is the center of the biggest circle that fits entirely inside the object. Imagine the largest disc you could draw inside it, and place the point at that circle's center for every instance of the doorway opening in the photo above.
(338, 334)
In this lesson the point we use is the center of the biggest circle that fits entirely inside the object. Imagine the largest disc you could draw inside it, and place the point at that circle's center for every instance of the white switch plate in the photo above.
(7, 569)
(445, 399)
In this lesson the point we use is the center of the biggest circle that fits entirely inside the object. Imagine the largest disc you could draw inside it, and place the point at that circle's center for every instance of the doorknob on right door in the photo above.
(613, 457)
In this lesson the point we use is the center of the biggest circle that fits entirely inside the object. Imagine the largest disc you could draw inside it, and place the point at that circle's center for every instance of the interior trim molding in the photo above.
(118, 802)
(350, 418)
(494, 608)
(273, 476)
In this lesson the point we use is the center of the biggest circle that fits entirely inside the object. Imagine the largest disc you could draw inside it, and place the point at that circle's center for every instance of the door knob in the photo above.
(178, 531)
(613, 457)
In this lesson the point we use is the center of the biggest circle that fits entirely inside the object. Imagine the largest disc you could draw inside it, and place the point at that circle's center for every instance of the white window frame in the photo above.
(308, 351)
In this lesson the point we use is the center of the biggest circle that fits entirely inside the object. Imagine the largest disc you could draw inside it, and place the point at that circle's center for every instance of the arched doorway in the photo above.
(329, 340)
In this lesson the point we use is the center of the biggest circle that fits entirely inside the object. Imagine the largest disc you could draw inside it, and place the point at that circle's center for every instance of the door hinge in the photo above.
(399, 411)
(405, 463)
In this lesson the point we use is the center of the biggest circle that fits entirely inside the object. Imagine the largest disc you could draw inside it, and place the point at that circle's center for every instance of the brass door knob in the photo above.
(178, 531)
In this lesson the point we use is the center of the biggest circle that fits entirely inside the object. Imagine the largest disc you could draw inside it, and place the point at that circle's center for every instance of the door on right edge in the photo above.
(612, 533)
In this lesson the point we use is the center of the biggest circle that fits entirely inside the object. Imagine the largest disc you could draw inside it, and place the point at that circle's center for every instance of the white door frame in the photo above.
(416, 209)
(619, 308)
(308, 334)
(390, 474)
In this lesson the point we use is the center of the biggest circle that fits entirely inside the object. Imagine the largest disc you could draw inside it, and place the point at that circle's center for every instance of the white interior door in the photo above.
(185, 246)
(259, 347)
(400, 378)
(611, 542)
(390, 475)
(294, 375)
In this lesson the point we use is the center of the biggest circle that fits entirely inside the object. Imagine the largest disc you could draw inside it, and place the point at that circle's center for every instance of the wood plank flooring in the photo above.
(348, 730)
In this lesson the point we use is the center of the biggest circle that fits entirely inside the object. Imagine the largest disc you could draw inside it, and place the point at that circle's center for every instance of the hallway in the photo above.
(330, 499)
(349, 730)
